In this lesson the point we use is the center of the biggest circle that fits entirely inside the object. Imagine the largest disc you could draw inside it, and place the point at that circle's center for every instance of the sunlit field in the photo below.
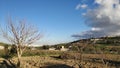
(60, 59)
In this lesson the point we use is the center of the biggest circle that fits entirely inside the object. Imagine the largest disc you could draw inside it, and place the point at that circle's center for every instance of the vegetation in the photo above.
(66, 59)
(82, 54)
(21, 35)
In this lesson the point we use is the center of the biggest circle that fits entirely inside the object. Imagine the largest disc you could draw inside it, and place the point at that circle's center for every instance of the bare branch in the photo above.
(21, 34)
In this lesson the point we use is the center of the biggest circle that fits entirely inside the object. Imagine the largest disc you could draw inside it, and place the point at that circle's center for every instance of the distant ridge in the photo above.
(108, 40)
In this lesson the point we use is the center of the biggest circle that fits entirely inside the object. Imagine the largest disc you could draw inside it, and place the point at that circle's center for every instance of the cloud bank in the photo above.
(103, 20)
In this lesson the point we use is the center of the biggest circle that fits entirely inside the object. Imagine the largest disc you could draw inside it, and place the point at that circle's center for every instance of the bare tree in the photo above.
(21, 35)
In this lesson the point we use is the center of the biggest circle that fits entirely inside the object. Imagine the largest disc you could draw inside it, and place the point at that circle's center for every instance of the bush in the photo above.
(2, 53)
(70, 55)
(9, 53)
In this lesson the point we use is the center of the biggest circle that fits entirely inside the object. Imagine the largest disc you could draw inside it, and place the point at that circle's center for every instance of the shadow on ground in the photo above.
(57, 66)
(7, 64)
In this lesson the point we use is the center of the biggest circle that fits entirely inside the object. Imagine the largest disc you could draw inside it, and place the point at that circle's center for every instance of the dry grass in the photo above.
(45, 62)
(73, 61)
(104, 56)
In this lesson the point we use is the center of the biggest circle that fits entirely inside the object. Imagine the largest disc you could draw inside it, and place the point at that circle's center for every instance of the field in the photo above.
(59, 59)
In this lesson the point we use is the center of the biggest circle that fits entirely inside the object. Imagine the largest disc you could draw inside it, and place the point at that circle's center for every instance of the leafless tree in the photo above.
(21, 35)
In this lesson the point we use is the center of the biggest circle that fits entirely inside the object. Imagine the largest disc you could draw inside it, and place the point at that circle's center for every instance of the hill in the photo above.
(113, 41)
(106, 41)
(92, 45)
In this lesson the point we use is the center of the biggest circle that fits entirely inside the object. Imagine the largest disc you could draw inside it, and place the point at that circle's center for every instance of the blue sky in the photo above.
(56, 19)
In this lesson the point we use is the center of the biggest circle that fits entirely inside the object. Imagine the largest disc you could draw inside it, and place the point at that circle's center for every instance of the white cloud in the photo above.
(84, 6)
(105, 19)
(98, 1)
(95, 29)
(83, 14)
(79, 6)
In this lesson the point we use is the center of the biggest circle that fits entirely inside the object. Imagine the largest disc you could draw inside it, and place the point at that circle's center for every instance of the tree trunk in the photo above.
(19, 61)
(19, 53)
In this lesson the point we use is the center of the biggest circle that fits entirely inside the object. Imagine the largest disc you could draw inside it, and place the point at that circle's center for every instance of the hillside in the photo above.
(94, 45)
(113, 41)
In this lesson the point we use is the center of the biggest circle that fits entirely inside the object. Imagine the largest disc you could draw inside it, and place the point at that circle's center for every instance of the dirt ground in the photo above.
(52, 62)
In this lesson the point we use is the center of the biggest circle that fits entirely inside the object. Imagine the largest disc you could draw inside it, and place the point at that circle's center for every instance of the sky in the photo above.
(62, 21)
(104, 19)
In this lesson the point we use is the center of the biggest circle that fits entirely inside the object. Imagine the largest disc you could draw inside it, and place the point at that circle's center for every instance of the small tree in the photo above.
(21, 35)
(45, 47)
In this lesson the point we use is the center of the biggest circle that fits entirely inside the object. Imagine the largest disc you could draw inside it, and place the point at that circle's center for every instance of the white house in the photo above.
(64, 49)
